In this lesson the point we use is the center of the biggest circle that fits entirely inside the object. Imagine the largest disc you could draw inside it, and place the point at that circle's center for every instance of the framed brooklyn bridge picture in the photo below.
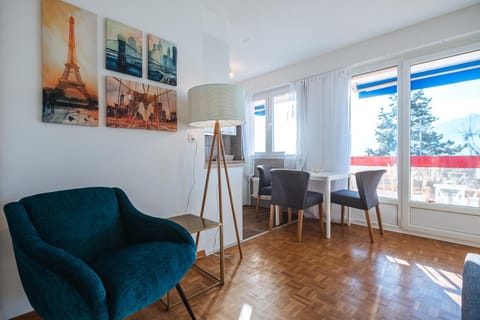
(69, 64)
(136, 105)
(123, 48)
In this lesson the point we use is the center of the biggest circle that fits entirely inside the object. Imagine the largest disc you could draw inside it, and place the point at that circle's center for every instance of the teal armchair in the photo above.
(89, 254)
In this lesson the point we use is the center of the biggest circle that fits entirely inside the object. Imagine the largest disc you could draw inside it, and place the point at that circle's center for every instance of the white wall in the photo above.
(462, 26)
(154, 168)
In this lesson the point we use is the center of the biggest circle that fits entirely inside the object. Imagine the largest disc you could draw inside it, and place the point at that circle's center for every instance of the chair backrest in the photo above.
(289, 188)
(85, 222)
(367, 183)
(264, 176)
(276, 162)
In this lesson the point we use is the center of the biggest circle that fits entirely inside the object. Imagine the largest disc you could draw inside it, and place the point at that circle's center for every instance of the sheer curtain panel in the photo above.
(323, 106)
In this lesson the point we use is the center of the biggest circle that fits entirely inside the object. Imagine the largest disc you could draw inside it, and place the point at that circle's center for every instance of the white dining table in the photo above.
(328, 178)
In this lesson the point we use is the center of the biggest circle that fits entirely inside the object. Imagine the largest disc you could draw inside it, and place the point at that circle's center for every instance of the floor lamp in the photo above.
(217, 105)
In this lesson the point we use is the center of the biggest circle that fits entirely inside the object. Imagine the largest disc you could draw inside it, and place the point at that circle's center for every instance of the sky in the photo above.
(449, 102)
(55, 33)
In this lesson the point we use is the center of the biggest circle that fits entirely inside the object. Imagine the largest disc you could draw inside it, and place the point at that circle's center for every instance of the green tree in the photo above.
(471, 134)
(423, 139)
(386, 130)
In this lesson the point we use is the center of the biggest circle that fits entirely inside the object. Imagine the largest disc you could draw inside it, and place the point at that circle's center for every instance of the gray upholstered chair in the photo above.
(471, 288)
(364, 199)
(289, 190)
(264, 184)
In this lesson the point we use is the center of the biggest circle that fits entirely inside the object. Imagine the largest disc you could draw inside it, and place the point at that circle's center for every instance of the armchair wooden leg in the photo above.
(185, 301)
(367, 216)
(300, 225)
(258, 204)
(280, 215)
(320, 217)
(379, 218)
(289, 210)
(272, 217)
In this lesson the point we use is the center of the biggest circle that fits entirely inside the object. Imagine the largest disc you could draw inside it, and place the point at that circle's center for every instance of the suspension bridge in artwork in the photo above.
(137, 105)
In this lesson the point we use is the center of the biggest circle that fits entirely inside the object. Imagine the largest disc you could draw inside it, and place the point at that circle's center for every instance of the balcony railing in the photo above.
(435, 179)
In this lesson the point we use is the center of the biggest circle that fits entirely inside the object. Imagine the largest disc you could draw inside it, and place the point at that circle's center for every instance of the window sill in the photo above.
(230, 164)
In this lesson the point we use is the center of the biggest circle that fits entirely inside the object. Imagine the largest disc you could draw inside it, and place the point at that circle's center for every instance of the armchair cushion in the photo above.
(131, 282)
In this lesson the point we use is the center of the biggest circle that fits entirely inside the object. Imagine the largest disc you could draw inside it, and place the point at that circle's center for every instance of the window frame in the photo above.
(403, 63)
(405, 91)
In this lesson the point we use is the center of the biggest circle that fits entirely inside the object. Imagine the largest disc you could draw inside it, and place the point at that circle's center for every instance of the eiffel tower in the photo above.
(71, 67)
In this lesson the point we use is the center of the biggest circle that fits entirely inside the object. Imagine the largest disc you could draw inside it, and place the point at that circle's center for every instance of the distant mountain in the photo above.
(454, 129)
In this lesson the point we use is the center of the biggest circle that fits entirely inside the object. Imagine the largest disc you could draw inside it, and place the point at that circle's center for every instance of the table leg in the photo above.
(326, 197)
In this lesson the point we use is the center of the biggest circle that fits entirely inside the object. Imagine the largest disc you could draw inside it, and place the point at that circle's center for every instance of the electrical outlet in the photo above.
(191, 137)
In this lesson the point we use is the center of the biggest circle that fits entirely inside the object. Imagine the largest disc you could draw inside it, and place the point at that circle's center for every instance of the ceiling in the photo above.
(265, 35)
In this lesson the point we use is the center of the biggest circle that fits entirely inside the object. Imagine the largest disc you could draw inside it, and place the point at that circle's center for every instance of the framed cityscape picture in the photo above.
(162, 60)
(123, 48)
(135, 105)
(69, 64)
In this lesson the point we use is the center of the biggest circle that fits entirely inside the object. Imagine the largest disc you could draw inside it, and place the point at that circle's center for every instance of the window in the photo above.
(374, 126)
(275, 123)
(441, 119)
(445, 130)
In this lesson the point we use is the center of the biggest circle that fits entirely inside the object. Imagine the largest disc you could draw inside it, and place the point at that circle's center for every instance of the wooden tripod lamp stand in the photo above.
(217, 105)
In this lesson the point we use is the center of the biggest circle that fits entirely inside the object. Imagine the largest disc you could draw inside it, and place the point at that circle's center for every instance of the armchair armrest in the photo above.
(144, 228)
(70, 269)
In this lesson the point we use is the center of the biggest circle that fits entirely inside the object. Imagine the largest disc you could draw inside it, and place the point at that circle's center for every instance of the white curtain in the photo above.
(248, 147)
(298, 89)
(323, 112)
(324, 120)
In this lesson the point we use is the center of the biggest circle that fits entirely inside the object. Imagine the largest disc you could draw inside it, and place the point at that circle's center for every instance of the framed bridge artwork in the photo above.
(135, 105)
(123, 48)
(69, 64)
(162, 60)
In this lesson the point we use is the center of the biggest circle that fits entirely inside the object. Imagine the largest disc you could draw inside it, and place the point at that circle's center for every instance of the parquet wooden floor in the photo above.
(346, 277)
(254, 224)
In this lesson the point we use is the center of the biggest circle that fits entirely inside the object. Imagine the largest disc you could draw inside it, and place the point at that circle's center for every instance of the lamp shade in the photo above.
(209, 103)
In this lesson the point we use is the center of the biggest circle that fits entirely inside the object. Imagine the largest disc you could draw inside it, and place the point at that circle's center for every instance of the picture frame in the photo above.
(162, 60)
(69, 64)
(136, 105)
(123, 48)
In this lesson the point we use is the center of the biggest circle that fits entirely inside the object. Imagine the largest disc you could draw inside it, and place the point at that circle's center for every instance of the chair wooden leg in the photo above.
(289, 210)
(343, 214)
(379, 218)
(320, 217)
(367, 216)
(300, 225)
(280, 215)
(185, 301)
(258, 204)
(272, 216)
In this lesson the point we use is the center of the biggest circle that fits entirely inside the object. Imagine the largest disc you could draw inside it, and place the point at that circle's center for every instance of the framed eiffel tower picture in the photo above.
(69, 64)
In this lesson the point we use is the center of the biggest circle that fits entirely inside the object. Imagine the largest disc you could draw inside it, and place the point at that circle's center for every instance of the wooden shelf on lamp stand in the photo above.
(218, 142)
